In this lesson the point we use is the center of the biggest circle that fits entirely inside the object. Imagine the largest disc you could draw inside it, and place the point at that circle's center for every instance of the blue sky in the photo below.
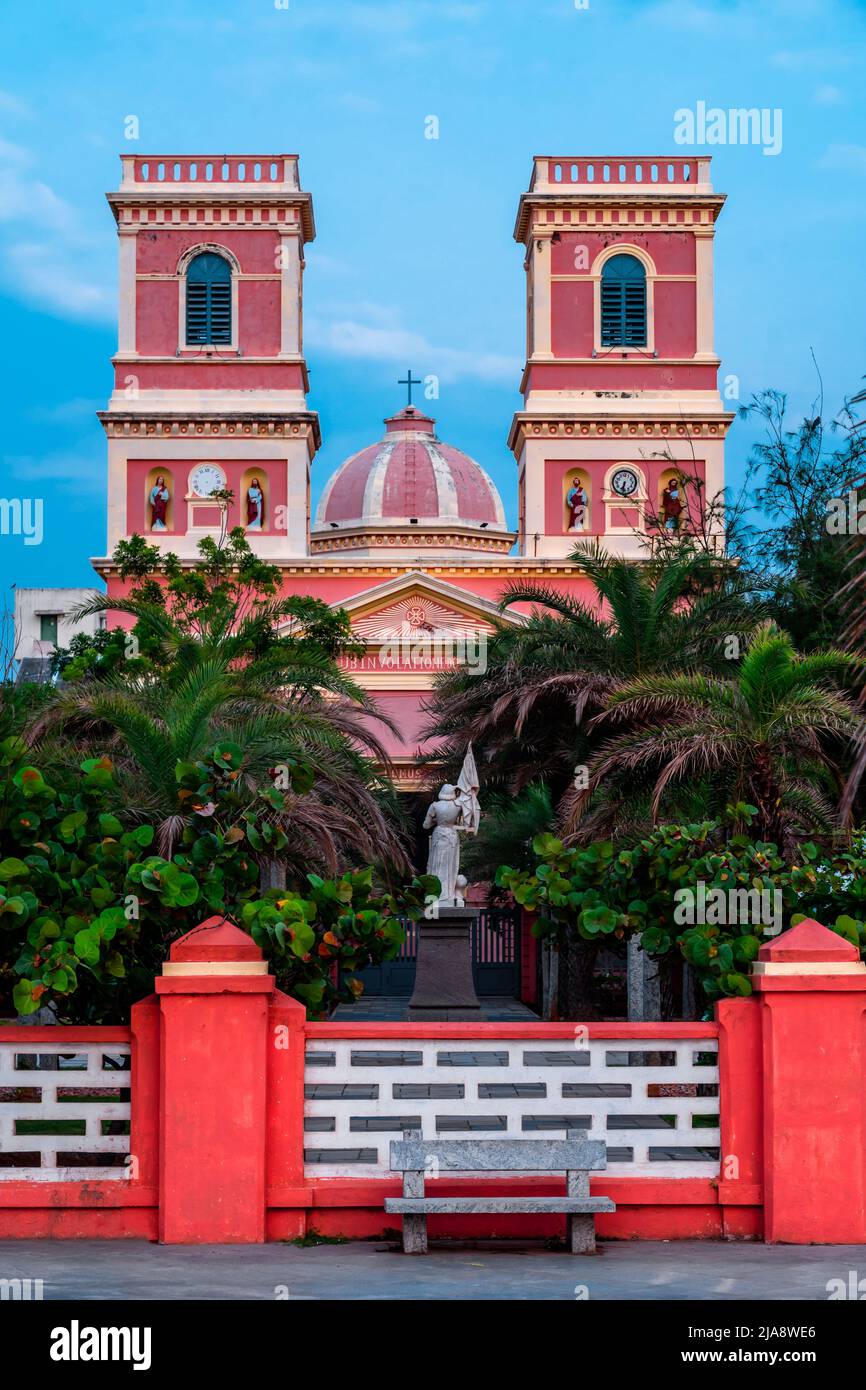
(414, 263)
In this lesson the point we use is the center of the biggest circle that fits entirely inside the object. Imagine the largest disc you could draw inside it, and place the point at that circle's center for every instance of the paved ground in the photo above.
(712, 1271)
(390, 1009)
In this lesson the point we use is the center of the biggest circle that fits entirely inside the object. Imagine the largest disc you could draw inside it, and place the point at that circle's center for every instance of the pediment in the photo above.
(419, 604)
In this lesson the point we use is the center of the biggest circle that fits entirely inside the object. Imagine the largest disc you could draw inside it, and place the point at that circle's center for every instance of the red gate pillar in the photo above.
(214, 994)
(812, 986)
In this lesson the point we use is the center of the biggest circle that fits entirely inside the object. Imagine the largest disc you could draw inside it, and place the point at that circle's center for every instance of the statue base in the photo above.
(444, 987)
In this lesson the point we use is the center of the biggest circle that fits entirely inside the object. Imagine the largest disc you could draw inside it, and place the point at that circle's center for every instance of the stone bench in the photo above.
(575, 1156)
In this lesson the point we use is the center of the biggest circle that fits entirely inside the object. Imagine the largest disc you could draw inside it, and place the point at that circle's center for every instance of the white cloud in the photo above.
(68, 412)
(793, 60)
(319, 262)
(9, 102)
(44, 272)
(46, 255)
(373, 332)
(387, 19)
(356, 101)
(827, 95)
(845, 159)
(63, 472)
(696, 17)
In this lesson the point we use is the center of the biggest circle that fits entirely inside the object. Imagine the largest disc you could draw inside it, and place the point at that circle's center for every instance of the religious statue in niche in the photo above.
(672, 505)
(578, 506)
(255, 506)
(159, 500)
(455, 812)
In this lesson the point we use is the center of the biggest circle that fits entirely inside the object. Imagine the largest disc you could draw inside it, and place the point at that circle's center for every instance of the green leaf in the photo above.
(22, 997)
(228, 755)
(598, 920)
(74, 821)
(86, 946)
(10, 911)
(30, 781)
(13, 868)
(847, 926)
(746, 948)
(311, 993)
(734, 983)
(302, 938)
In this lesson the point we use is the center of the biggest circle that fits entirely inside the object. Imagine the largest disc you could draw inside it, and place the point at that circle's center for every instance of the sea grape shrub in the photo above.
(600, 890)
(90, 904)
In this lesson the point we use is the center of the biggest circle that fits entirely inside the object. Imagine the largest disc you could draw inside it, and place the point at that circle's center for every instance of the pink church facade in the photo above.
(620, 405)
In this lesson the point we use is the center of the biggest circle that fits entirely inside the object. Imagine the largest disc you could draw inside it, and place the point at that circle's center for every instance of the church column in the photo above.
(290, 294)
(127, 244)
(541, 301)
(533, 480)
(704, 294)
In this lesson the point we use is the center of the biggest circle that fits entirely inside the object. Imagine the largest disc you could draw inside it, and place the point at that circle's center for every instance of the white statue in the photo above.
(455, 812)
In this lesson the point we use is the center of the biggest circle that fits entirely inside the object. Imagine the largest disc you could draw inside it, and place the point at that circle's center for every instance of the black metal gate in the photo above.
(495, 958)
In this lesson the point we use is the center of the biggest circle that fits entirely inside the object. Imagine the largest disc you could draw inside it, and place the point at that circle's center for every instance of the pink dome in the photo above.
(410, 477)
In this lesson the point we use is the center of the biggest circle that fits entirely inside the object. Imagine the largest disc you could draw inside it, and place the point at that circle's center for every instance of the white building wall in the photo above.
(32, 604)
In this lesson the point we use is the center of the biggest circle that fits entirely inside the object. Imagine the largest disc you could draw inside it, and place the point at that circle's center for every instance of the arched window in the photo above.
(208, 299)
(623, 302)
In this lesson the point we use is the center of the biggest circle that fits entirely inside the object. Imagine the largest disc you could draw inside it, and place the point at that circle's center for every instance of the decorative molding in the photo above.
(123, 424)
(245, 211)
(201, 248)
(528, 426)
(418, 536)
(539, 212)
(517, 567)
(616, 357)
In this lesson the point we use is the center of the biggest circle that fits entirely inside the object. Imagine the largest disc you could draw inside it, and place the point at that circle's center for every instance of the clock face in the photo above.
(206, 479)
(624, 482)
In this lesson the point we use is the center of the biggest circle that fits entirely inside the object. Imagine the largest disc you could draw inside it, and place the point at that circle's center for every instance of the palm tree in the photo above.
(772, 735)
(528, 713)
(851, 597)
(233, 676)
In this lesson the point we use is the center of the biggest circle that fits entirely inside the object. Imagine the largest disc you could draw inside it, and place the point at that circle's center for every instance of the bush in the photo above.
(88, 910)
(598, 891)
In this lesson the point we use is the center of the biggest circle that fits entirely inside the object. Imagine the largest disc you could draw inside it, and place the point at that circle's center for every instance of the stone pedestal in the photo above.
(444, 987)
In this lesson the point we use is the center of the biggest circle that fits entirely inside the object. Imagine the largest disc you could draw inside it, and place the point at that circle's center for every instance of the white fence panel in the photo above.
(64, 1116)
(653, 1101)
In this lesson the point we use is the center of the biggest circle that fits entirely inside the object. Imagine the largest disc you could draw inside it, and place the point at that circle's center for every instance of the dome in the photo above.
(412, 483)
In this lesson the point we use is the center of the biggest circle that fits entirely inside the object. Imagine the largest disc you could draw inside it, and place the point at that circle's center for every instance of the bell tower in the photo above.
(622, 429)
(208, 423)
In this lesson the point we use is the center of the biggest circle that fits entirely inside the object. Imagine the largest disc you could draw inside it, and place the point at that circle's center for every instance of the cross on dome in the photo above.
(408, 381)
(411, 479)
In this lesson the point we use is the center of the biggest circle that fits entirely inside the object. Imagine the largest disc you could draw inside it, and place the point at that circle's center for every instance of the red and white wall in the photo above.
(248, 1123)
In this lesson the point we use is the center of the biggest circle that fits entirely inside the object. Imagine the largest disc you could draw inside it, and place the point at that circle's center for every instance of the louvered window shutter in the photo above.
(623, 303)
(208, 300)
